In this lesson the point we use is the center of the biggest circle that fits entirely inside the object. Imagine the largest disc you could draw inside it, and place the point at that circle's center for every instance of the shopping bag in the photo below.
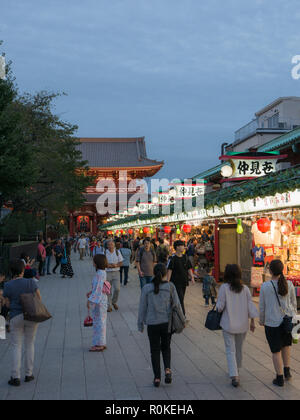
(2, 328)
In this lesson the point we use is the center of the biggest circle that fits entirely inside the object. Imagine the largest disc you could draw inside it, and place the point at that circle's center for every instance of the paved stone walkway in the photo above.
(64, 369)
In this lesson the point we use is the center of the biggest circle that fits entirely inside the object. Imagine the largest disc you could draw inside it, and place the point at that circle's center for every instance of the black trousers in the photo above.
(181, 289)
(57, 263)
(160, 342)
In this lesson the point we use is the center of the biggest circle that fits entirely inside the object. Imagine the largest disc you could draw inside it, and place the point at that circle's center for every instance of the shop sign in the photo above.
(249, 165)
(188, 191)
(278, 201)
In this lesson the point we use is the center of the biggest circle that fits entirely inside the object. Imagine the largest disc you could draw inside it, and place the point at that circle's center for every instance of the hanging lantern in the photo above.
(178, 231)
(187, 228)
(167, 229)
(130, 231)
(151, 230)
(146, 230)
(141, 230)
(122, 231)
(240, 229)
(264, 225)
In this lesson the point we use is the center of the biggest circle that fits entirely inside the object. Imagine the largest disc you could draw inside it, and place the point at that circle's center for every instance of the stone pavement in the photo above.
(64, 369)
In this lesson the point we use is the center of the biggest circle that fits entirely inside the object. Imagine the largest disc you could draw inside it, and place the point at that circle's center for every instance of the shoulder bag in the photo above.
(177, 319)
(64, 259)
(287, 323)
(33, 308)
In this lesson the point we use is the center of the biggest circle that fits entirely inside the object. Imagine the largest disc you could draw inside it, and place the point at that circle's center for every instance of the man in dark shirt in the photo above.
(179, 271)
(58, 252)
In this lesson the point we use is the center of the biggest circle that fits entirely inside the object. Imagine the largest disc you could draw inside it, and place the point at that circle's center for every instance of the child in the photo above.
(209, 287)
(98, 302)
(4, 310)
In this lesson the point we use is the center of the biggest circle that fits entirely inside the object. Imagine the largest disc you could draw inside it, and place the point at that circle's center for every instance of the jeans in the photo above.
(234, 348)
(20, 329)
(47, 265)
(160, 342)
(42, 267)
(126, 270)
(145, 280)
(207, 297)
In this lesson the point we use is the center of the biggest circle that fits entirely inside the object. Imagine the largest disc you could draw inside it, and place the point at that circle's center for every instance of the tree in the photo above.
(40, 165)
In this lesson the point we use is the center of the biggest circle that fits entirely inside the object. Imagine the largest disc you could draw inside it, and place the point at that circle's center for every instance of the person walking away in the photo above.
(277, 300)
(97, 301)
(235, 303)
(155, 309)
(20, 329)
(145, 261)
(58, 253)
(126, 254)
(81, 246)
(162, 252)
(179, 271)
(191, 252)
(49, 253)
(209, 287)
(114, 260)
(41, 257)
(67, 269)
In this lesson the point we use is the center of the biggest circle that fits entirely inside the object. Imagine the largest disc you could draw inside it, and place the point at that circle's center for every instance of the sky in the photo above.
(185, 74)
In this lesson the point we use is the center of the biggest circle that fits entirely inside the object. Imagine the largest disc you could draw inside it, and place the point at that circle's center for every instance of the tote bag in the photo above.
(33, 308)
(177, 319)
(64, 259)
(213, 320)
(2, 328)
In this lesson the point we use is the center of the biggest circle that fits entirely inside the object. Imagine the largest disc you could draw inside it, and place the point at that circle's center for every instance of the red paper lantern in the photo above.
(167, 229)
(187, 228)
(264, 225)
(130, 231)
(146, 230)
(122, 231)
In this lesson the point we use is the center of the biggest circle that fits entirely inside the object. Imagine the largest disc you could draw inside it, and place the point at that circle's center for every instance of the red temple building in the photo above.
(106, 157)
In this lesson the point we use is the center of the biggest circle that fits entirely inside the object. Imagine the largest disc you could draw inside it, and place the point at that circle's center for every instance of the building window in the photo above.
(273, 121)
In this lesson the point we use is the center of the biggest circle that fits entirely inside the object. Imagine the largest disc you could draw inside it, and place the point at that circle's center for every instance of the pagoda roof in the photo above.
(112, 153)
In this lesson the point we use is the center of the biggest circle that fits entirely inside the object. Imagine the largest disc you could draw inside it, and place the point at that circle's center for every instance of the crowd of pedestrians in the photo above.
(164, 276)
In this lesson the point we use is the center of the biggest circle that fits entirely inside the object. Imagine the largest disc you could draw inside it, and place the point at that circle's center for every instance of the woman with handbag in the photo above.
(278, 305)
(98, 303)
(155, 310)
(235, 303)
(19, 328)
(66, 267)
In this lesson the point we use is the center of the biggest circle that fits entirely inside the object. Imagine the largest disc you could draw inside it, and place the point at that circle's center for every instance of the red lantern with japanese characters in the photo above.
(146, 230)
(130, 231)
(187, 228)
(167, 229)
(264, 225)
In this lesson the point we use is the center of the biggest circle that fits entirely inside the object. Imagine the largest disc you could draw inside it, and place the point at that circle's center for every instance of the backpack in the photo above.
(141, 253)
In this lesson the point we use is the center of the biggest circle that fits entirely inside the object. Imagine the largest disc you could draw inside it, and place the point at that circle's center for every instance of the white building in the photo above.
(275, 119)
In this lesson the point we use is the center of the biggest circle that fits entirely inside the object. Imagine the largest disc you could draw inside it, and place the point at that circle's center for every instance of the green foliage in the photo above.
(40, 167)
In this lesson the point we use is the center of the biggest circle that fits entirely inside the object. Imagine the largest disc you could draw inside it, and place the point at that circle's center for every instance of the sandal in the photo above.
(156, 383)
(96, 349)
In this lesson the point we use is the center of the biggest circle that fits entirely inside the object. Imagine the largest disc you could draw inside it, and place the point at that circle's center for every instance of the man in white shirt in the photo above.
(115, 261)
(81, 246)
